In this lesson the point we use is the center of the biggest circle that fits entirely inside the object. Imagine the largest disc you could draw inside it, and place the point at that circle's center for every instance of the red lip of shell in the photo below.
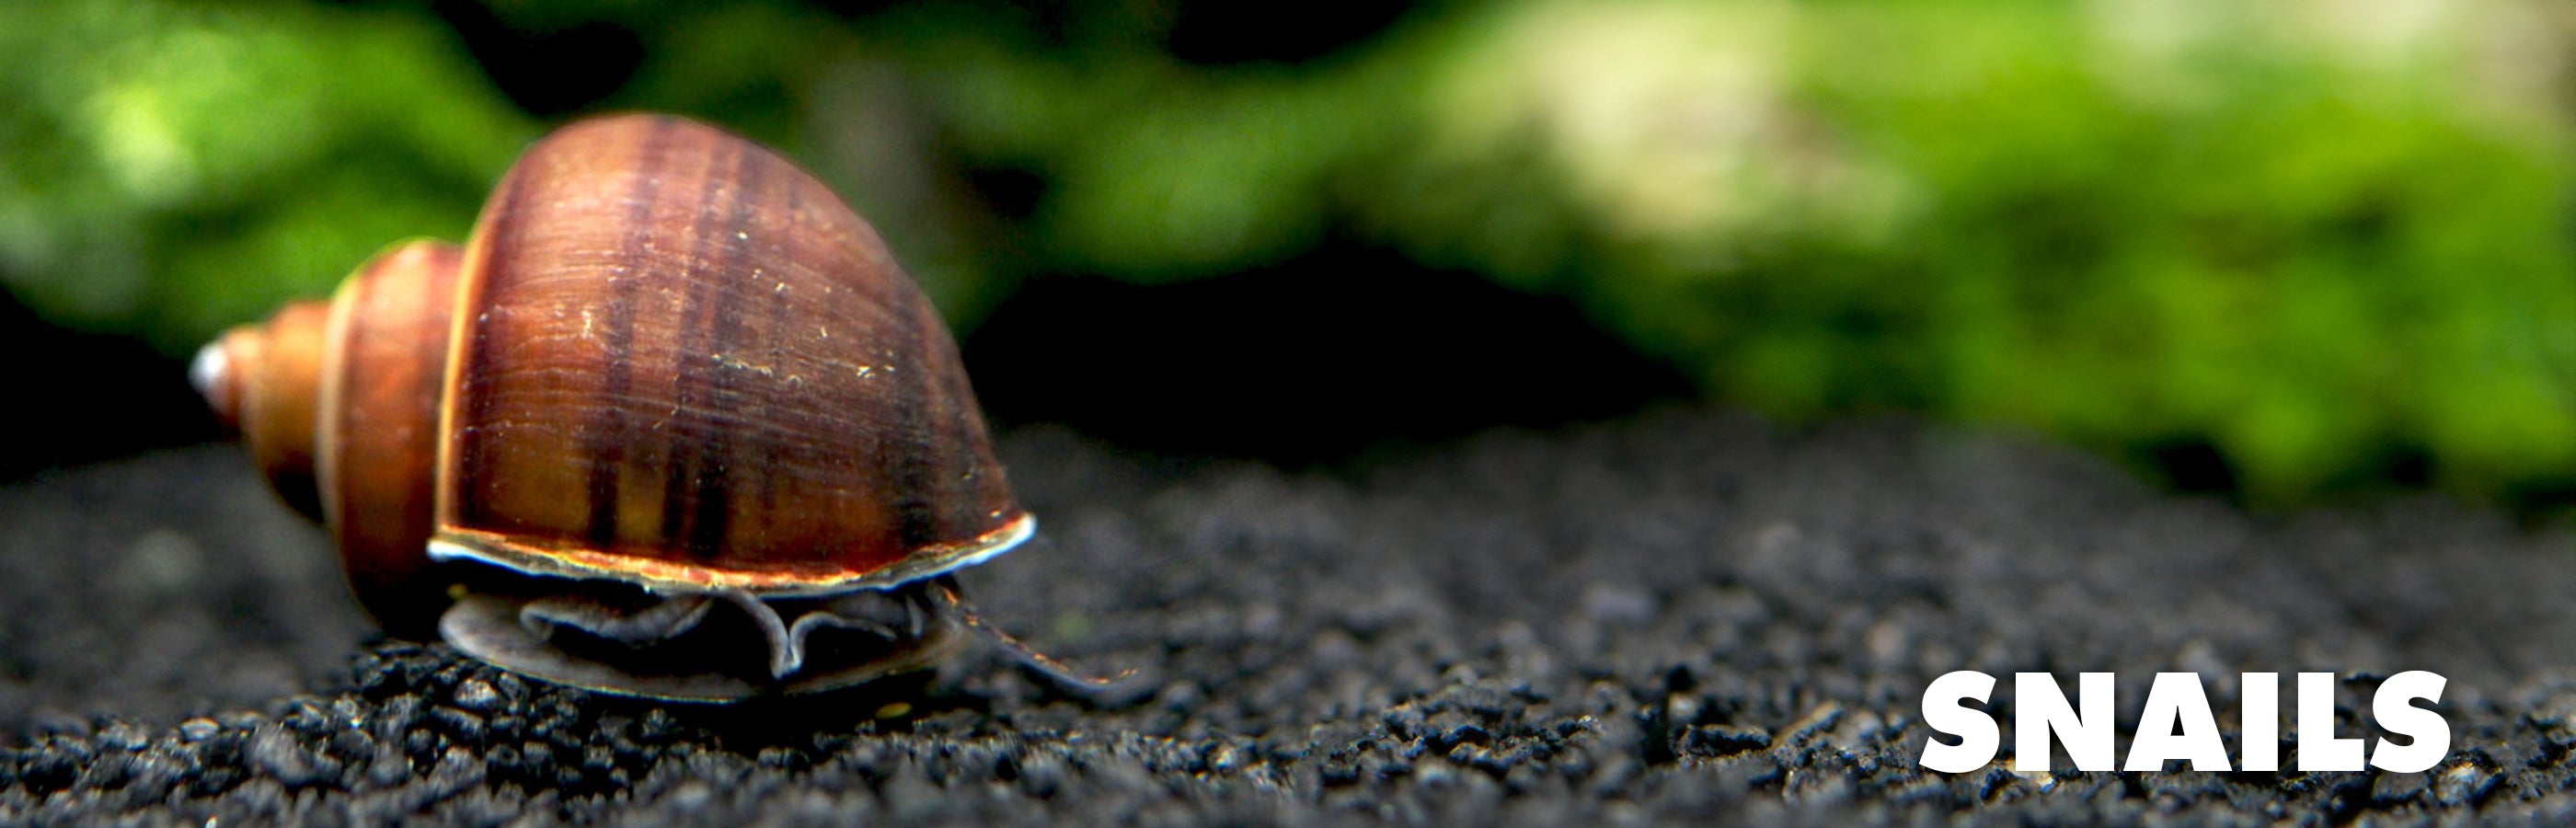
(661, 575)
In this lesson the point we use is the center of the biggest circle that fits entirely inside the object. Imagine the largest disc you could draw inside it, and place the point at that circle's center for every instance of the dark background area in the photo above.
(93, 397)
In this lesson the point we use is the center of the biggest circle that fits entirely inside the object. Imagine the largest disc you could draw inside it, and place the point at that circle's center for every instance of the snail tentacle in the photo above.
(1124, 688)
(786, 647)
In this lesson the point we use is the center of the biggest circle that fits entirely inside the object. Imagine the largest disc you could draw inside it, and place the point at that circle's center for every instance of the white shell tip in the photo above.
(207, 369)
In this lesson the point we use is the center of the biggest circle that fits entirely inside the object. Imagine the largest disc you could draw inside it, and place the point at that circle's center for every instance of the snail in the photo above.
(671, 423)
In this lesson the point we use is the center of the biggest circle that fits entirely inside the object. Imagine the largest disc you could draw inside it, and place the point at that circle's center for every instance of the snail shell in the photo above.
(669, 371)
(680, 360)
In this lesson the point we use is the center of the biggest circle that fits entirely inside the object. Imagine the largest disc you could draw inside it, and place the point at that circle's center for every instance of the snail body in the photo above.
(672, 392)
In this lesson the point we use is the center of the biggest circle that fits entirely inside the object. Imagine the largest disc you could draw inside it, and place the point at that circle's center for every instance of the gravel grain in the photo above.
(1682, 617)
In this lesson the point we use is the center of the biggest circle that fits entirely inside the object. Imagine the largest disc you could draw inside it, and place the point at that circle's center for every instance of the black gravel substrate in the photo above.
(1686, 617)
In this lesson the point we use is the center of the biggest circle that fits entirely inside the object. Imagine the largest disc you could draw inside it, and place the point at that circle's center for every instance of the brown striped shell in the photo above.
(666, 357)
(686, 362)
(377, 429)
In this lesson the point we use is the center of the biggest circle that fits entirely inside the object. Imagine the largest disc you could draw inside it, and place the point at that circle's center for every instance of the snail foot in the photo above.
(616, 638)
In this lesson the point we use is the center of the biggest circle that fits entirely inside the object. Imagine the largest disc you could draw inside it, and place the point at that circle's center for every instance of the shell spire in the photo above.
(261, 380)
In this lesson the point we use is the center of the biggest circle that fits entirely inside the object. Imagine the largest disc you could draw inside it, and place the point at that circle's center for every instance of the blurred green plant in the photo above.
(171, 168)
(2328, 239)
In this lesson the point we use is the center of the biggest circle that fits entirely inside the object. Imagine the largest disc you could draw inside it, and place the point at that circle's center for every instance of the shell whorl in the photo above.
(377, 434)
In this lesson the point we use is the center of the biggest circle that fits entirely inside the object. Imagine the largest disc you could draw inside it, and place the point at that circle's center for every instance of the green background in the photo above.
(2324, 246)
